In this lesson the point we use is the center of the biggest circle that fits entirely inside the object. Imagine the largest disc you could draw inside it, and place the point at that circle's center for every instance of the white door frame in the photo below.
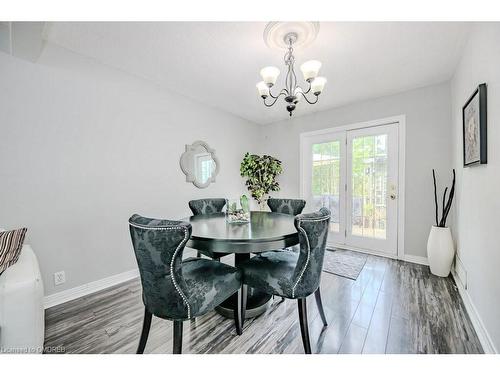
(401, 123)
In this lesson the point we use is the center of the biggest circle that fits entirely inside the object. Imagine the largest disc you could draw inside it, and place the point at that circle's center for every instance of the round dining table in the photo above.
(266, 231)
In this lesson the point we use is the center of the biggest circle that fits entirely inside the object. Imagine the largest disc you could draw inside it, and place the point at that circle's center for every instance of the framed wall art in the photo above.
(474, 128)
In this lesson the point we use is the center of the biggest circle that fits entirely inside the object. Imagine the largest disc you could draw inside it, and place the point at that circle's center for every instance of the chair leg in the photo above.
(238, 311)
(146, 325)
(177, 337)
(304, 329)
(243, 299)
(319, 303)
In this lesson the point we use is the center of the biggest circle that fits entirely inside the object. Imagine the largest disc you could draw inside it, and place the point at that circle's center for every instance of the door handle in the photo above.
(393, 192)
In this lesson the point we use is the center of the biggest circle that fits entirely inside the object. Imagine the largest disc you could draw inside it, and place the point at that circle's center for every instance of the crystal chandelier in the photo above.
(292, 91)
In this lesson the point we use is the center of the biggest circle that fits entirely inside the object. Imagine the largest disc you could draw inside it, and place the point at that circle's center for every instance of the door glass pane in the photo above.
(326, 179)
(369, 186)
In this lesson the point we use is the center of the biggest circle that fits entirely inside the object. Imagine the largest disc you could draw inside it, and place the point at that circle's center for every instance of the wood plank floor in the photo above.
(393, 307)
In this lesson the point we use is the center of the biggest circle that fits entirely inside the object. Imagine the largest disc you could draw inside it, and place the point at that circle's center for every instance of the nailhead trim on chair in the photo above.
(308, 248)
(307, 260)
(183, 242)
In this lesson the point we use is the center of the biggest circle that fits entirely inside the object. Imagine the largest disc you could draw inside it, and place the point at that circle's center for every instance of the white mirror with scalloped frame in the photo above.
(200, 164)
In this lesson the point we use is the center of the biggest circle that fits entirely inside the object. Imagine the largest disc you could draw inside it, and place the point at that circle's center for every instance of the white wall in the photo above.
(83, 147)
(428, 146)
(477, 207)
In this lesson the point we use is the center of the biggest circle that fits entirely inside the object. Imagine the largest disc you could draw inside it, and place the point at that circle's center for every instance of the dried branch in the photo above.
(444, 204)
(435, 196)
(450, 201)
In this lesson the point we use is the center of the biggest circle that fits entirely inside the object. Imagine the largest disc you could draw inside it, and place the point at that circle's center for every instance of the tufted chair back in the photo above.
(207, 206)
(158, 246)
(313, 235)
(286, 206)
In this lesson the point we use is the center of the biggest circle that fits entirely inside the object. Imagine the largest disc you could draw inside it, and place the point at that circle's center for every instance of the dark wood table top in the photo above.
(265, 231)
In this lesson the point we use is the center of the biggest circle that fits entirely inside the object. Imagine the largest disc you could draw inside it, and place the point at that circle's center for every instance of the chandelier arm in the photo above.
(283, 91)
(287, 79)
(274, 101)
(304, 92)
(294, 80)
(307, 100)
(309, 89)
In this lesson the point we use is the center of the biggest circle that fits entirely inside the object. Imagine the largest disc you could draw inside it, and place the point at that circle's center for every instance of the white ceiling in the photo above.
(218, 63)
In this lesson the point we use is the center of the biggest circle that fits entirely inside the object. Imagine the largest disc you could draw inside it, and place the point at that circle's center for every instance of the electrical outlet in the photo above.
(59, 278)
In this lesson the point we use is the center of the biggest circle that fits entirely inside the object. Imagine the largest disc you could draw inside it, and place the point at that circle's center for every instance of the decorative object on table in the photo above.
(345, 263)
(11, 243)
(440, 249)
(474, 128)
(286, 36)
(200, 164)
(174, 289)
(291, 275)
(245, 204)
(238, 211)
(261, 172)
(207, 206)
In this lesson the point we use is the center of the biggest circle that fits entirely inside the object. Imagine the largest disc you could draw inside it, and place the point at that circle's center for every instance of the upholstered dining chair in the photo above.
(290, 207)
(178, 290)
(294, 275)
(207, 206)
(204, 207)
(286, 206)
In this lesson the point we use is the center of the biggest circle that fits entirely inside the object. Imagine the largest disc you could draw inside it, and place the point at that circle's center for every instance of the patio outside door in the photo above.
(354, 173)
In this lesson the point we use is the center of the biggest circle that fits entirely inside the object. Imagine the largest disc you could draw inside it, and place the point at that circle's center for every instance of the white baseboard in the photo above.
(416, 259)
(364, 251)
(92, 287)
(407, 257)
(482, 333)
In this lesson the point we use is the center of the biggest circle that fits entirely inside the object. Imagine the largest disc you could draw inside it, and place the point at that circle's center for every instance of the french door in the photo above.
(324, 174)
(354, 173)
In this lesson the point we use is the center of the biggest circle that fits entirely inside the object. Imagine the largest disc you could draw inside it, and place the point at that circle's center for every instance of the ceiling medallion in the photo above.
(287, 36)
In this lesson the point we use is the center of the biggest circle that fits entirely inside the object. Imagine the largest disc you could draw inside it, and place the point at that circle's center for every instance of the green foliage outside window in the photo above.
(326, 168)
(369, 171)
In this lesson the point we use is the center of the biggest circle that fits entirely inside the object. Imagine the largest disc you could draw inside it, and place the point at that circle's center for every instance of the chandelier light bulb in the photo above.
(263, 89)
(317, 85)
(269, 75)
(310, 69)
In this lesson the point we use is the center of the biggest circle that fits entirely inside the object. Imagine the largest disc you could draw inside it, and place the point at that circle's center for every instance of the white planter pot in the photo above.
(440, 251)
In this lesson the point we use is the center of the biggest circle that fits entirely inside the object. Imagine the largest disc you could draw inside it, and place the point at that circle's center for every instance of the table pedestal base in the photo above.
(257, 303)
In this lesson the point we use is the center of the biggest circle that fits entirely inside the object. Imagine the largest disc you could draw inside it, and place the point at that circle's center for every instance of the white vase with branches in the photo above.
(440, 249)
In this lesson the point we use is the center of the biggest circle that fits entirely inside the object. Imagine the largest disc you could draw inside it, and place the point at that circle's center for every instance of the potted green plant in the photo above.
(260, 172)
(440, 249)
